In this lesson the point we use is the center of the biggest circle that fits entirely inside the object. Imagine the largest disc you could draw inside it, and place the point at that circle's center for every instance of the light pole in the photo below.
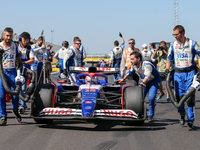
(176, 12)
(52, 36)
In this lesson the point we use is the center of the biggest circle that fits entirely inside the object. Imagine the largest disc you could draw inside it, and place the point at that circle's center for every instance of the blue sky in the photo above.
(98, 23)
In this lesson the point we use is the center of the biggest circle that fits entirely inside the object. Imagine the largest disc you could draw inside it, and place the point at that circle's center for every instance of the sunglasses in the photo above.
(131, 43)
(78, 43)
(175, 34)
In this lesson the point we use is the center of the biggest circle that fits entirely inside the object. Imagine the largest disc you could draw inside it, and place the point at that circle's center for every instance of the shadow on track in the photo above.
(104, 126)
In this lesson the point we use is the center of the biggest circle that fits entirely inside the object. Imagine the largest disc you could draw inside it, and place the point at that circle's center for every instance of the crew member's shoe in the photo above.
(22, 110)
(182, 119)
(17, 115)
(3, 121)
(190, 126)
(168, 100)
(160, 96)
(150, 119)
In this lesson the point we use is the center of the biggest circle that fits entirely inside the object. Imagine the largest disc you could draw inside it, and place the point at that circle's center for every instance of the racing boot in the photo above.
(190, 125)
(17, 115)
(150, 119)
(182, 119)
(3, 121)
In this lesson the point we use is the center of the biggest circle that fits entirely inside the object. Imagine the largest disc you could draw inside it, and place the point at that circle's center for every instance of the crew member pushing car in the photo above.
(150, 79)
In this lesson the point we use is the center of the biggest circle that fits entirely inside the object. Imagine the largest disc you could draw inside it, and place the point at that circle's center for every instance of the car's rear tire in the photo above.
(134, 100)
(42, 99)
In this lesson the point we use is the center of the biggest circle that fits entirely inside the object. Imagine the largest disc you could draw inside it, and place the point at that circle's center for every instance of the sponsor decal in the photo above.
(82, 68)
(88, 107)
(104, 69)
(56, 111)
(177, 64)
(89, 90)
(119, 113)
(177, 46)
(10, 56)
(187, 64)
(182, 55)
(88, 102)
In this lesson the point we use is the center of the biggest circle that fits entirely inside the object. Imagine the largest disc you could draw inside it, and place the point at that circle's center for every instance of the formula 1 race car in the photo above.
(92, 97)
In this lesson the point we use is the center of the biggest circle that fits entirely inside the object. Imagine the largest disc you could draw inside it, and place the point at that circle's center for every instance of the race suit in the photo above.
(125, 62)
(38, 52)
(74, 57)
(23, 52)
(9, 68)
(115, 58)
(60, 54)
(147, 56)
(183, 57)
(148, 70)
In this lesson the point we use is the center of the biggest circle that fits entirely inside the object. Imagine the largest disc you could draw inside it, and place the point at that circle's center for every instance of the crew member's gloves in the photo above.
(195, 83)
(166, 73)
(65, 72)
(120, 34)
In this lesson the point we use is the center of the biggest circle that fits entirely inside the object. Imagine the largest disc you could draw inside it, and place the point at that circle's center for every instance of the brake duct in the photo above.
(30, 87)
(185, 97)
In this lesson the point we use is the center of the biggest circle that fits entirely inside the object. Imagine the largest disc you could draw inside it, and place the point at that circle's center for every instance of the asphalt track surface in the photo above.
(165, 133)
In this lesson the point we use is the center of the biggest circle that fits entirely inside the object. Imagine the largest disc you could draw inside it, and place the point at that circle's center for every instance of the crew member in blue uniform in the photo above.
(182, 52)
(149, 77)
(60, 54)
(116, 55)
(74, 56)
(27, 57)
(39, 49)
(10, 55)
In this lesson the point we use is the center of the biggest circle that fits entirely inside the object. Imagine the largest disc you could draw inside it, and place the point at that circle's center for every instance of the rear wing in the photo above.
(106, 71)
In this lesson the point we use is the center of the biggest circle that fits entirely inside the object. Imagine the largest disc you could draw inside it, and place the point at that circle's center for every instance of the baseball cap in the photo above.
(144, 45)
(49, 45)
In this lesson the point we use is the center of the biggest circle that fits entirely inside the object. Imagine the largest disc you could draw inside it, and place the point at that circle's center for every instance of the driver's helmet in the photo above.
(94, 80)
(87, 80)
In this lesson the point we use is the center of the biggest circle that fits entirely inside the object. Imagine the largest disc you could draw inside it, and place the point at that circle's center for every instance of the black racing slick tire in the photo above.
(134, 100)
(42, 99)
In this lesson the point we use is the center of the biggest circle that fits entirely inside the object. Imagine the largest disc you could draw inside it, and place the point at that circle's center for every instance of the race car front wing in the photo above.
(105, 114)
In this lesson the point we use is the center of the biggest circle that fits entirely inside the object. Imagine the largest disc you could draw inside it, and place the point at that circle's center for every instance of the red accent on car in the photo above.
(61, 81)
(54, 98)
